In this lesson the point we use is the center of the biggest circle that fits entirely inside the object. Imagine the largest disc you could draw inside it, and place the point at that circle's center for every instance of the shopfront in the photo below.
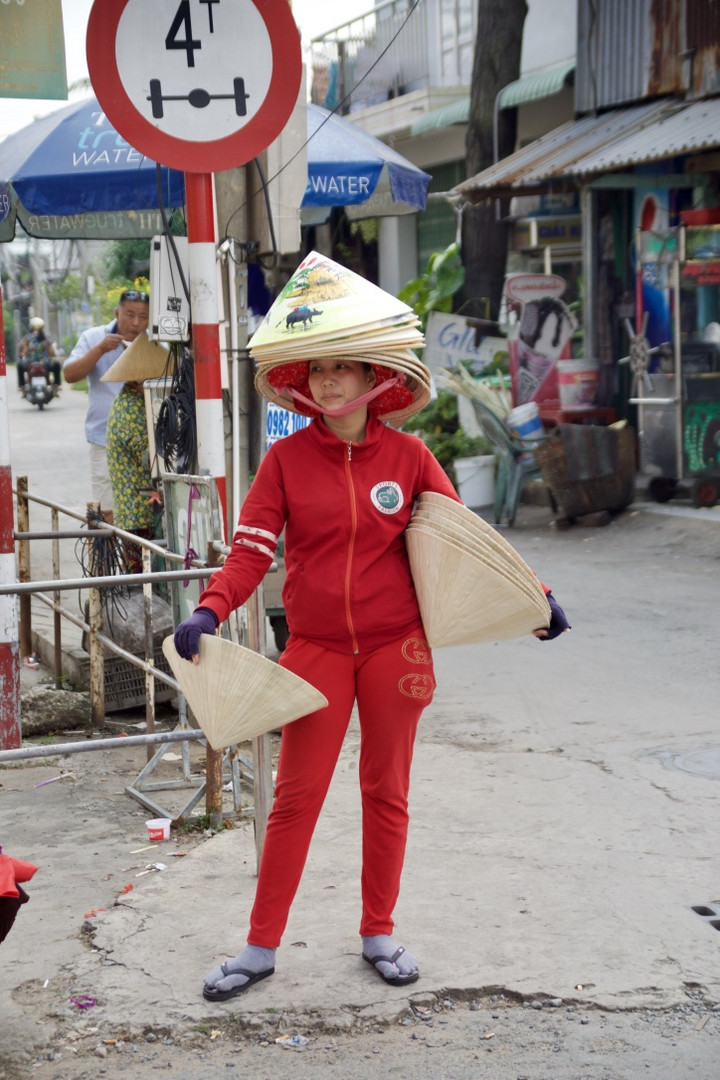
(678, 397)
(546, 238)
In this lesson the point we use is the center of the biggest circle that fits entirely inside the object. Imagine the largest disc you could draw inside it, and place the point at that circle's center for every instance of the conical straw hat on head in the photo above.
(325, 301)
(237, 694)
(142, 359)
(328, 311)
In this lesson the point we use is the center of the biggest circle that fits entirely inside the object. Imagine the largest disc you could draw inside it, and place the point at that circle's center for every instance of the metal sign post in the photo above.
(201, 87)
(10, 732)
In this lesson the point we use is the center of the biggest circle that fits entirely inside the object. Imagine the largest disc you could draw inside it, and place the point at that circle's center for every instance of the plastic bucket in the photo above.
(159, 828)
(524, 421)
(476, 480)
(577, 383)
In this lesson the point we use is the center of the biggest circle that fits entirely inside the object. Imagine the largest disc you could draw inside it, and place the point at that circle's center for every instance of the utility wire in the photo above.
(332, 112)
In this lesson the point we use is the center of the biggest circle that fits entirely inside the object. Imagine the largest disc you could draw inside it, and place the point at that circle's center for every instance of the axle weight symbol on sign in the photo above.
(198, 98)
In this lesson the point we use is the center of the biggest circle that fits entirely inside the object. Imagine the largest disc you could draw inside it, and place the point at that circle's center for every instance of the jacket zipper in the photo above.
(351, 548)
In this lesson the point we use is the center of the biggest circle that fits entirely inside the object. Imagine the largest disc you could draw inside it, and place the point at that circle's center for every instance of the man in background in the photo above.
(96, 351)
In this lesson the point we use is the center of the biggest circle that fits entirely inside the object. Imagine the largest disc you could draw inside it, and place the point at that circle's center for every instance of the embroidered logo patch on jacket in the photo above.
(387, 497)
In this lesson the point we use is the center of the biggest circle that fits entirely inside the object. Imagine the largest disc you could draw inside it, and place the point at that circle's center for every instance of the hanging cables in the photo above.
(271, 223)
(168, 232)
(175, 428)
(104, 559)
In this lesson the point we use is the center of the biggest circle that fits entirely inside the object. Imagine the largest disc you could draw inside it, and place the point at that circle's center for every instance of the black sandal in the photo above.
(396, 980)
(211, 994)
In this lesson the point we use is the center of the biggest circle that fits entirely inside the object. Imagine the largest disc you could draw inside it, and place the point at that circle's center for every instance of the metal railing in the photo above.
(349, 60)
(98, 641)
(48, 592)
(395, 48)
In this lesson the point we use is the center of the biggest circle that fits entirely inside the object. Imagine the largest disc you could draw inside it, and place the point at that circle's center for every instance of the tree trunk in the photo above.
(496, 63)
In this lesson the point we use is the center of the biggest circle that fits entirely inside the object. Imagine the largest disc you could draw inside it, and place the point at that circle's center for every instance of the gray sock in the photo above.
(252, 958)
(383, 945)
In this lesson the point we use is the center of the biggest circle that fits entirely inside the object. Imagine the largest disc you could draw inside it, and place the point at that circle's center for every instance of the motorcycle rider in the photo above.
(37, 346)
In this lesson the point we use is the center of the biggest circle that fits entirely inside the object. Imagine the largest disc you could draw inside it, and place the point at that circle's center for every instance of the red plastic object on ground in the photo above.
(12, 895)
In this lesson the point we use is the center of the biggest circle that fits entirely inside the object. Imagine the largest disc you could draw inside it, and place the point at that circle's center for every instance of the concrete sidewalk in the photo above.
(564, 823)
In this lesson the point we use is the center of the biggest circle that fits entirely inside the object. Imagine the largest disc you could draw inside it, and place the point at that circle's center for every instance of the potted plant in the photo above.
(468, 461)
(434, 289)
(438, 425)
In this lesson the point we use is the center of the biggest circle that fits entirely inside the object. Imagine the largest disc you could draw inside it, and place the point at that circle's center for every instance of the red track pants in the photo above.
(392, 686)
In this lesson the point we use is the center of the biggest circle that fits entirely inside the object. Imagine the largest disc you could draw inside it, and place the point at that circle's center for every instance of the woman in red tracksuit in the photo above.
(343, 491)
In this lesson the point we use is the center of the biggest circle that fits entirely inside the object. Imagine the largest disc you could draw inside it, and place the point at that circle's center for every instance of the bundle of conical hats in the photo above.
(237, 694)
(326, 310)
(472, 585)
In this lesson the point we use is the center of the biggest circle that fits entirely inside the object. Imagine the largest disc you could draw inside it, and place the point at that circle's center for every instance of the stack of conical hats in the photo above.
(326, 310)
(471, 583)
(236, 694)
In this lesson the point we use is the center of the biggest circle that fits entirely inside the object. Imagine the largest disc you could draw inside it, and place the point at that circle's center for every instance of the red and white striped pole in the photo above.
(205, 330)
(10, 731)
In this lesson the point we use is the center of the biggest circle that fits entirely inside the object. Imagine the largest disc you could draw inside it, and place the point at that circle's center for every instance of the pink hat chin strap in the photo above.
(351, 406)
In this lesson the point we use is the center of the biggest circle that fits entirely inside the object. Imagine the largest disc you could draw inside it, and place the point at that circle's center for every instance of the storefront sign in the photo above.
(651, 217)
(542, 335)
(542, 232)
(453, 339)
(281, 422)
(702, 272)
(32, 50)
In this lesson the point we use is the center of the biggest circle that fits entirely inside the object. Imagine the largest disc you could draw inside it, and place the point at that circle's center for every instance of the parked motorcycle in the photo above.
(39, 386)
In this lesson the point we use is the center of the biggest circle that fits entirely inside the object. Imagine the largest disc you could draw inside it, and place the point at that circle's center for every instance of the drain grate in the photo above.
(709, 913)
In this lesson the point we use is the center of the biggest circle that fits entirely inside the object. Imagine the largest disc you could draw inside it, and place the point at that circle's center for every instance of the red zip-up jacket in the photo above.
(344, 507)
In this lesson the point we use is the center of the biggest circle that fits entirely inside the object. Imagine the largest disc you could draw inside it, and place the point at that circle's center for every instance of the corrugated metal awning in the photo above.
(456, 112)
(592, 145)
(533, 87)
(537, 85)
(687, 129)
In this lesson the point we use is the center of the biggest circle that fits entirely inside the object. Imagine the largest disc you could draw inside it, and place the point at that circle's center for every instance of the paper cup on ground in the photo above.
(159, 828)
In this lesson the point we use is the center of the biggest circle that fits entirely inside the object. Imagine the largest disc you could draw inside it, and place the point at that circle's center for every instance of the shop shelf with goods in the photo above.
(677, 391)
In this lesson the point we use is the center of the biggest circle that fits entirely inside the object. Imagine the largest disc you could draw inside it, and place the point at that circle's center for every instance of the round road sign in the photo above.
(198, 85)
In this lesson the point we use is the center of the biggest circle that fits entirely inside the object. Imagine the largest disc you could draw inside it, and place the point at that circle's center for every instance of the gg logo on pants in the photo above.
(417, 651)
(420, 687)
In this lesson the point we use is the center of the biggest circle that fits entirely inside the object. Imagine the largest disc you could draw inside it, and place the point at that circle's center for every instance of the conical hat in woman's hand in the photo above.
(237, 694)
(470, 582)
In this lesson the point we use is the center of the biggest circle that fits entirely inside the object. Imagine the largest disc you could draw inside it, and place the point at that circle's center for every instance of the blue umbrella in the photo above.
(70, 174)
(347, 167)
